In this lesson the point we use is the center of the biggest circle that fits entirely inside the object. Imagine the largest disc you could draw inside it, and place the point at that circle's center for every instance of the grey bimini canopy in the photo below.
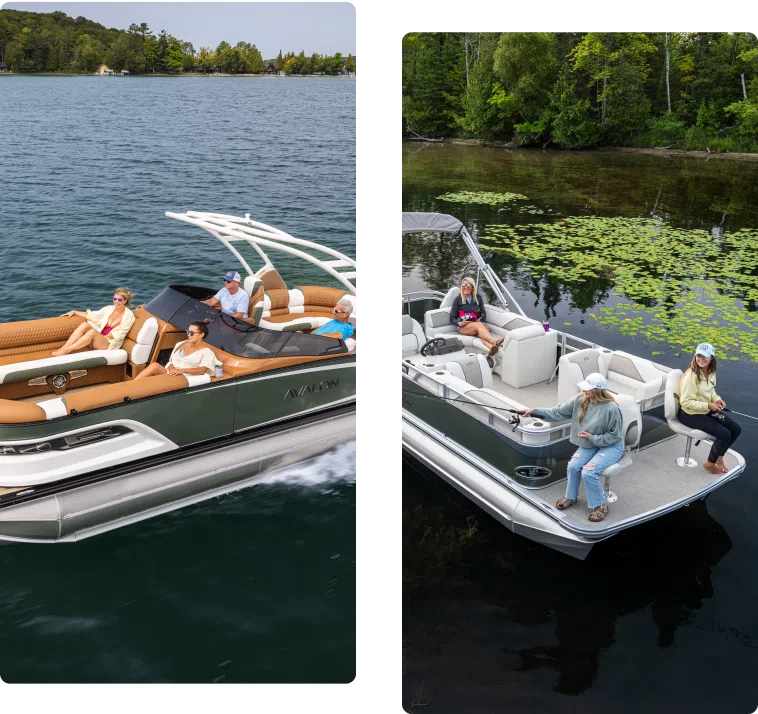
(430, 223)
(443, 223)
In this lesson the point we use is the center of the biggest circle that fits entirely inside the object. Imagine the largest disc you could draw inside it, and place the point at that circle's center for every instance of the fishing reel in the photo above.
(515, 419)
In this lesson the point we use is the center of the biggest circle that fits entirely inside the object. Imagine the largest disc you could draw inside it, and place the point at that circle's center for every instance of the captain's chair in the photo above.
(472, 369)
(671, 410)
(413, 336)
(631, 428)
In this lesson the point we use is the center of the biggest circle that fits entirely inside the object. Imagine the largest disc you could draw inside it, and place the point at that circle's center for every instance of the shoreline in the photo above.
(182, 74)
(662, 151)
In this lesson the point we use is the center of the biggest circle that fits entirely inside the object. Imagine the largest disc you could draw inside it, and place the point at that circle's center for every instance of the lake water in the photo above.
(255, 586)
(660, 617)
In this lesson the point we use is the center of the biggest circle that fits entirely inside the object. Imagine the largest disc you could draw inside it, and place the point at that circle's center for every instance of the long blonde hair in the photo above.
(473, 289)
(601, 395)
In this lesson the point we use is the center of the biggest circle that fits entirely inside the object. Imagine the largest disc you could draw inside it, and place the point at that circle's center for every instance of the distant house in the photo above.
(124, 72)
(270, 69)
(3, 68)
(103, 70)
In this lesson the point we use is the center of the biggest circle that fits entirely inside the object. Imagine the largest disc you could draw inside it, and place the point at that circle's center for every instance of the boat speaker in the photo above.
(532, 472)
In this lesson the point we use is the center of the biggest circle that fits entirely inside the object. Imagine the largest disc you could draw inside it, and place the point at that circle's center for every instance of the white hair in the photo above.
(346, 306)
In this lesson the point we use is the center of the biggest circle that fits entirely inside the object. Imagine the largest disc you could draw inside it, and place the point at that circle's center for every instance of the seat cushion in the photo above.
(24, 369)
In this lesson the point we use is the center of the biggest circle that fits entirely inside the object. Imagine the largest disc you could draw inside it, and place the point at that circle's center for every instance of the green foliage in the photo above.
(746, 113)
(483, 197)
(574, 126)
(526, 65)
(54, 42)
(678, 286)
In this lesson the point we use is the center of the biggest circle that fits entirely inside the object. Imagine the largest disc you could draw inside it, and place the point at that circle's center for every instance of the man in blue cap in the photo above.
(232, 298)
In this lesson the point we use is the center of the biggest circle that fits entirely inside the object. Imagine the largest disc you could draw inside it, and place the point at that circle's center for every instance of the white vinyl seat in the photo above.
(472, 369)
(23, 371)
(671, 411)
(437, 322)
(143, 343)
(625, 373)
(413, 336)
(631, 420)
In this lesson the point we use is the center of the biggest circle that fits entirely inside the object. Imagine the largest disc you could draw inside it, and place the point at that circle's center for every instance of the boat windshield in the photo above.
(180, 305)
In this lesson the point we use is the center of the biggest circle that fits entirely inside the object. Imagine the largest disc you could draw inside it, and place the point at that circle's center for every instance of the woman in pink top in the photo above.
(103, 329)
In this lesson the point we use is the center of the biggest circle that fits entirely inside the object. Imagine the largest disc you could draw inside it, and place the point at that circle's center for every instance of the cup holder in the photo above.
(538, 423)
(440, 373)
(532, 473)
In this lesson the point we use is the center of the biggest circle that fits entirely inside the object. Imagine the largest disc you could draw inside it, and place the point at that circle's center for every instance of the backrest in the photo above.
(447, 301)
(529, 355)
(254, 288)
(413, 336)
(141, 337)
(632, 370)
(574, 367)
(472, 369)
(272, 280)
(631, 420)
(671, 400)
(310, 299)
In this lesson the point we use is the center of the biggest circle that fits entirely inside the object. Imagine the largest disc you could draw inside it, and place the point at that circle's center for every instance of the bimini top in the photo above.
(430, 223)
(230, 229)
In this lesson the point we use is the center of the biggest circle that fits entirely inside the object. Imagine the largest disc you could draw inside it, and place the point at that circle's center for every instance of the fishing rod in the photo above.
(515, 420)
(740, 413)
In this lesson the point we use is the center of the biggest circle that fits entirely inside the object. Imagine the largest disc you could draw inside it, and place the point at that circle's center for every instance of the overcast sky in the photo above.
(323, 27)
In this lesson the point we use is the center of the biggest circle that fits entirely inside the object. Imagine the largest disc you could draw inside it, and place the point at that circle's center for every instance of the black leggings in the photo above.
(724, 432)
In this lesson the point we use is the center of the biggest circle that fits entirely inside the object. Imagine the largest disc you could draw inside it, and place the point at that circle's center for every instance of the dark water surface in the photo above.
(255, 586)
(659, 618)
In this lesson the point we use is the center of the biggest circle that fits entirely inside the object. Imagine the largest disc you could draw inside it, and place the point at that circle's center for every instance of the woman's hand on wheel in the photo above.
(714, 406)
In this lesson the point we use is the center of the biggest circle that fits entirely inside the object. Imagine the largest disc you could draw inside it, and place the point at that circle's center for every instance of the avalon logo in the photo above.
(312, 388)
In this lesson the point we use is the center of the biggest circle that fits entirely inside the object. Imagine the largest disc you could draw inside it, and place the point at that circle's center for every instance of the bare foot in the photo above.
(720, 463)
(713, 468)
(58, 353)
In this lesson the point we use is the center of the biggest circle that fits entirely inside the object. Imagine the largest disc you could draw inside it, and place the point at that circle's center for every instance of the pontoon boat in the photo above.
(85, 448)
(461, 414)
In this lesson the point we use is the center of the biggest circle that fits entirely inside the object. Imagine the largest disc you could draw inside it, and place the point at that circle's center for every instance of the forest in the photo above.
(55, 42)
(683, 90)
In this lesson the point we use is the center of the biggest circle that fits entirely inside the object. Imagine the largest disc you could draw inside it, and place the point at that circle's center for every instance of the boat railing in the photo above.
(419, 295)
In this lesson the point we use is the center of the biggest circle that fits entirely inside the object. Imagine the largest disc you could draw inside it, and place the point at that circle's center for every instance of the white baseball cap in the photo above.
(232, 275)
(705, 349)
(593, 381)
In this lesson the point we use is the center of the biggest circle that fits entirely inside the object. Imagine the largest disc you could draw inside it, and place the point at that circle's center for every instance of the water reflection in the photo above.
(469, 584)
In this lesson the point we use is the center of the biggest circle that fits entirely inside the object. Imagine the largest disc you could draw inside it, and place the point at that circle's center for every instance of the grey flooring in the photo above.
(535, 395)
(651, 482)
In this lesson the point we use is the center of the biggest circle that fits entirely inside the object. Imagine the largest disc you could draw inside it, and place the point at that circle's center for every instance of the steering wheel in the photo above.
(429, 345)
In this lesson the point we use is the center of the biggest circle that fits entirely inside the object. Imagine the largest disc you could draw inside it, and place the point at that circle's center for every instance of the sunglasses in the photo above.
(339, 312)
(228, 281)
(192, 332)
(118, 299)
(467, 285)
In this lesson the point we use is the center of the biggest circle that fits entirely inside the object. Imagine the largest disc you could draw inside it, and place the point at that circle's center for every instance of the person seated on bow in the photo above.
(193, 356)
(103, 329)
(467, 314)
(596, 428)
(340, 327)
(701, 408)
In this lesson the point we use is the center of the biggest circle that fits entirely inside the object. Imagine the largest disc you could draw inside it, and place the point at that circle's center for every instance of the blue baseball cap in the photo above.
(705, 349)
(232, 275)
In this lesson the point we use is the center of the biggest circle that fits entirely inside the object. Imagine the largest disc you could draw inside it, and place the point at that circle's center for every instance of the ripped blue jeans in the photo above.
(589, 463)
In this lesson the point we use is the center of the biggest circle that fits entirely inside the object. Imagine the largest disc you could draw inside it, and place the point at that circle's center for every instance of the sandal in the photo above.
(598, 513)
(493, 351)
(499, 341)
(564, 503)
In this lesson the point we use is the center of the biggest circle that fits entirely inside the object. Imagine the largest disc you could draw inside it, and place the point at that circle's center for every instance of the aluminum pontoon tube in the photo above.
(99, 507)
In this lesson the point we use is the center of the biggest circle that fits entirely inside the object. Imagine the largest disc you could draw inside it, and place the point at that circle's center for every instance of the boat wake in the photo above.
(334, 466)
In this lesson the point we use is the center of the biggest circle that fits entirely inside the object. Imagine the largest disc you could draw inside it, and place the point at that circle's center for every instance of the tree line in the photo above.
(55, 42)
(691, 90)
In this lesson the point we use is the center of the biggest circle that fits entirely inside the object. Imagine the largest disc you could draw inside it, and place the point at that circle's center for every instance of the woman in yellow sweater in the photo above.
(702, 408)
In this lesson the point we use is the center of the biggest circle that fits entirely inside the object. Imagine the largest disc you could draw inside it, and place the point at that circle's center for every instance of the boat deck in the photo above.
(653, 482)
(541, 394)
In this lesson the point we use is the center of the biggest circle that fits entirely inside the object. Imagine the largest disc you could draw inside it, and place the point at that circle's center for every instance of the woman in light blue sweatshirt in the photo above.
(596, 428)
